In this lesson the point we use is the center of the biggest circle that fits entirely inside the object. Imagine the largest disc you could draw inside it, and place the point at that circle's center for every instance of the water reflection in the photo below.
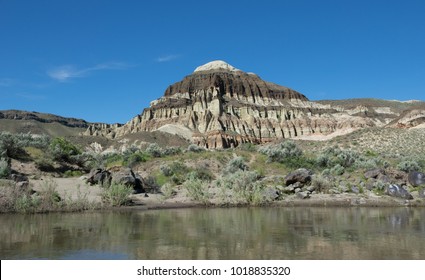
(239, 233)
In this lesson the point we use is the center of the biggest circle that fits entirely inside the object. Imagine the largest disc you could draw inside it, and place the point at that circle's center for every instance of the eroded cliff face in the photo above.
(219, 106)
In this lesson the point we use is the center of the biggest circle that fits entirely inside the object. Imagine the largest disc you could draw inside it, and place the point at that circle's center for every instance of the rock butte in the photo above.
(220, 106)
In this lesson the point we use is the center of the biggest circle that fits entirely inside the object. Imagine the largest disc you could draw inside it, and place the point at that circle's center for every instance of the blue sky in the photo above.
(104, 61)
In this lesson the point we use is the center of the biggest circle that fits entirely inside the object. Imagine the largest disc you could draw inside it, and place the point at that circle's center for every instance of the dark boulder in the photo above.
(416, 178)
(21, 181)
(99, 176)
(398, 191)
(129, 178)
(302, 176)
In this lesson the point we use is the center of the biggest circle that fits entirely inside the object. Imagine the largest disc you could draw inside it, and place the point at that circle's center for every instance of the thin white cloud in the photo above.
(167, 58)
(66, 72)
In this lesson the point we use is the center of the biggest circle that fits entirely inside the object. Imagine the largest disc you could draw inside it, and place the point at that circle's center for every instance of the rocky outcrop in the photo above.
(122, 176)
(416, 178)
(43, 118)
(219, 106)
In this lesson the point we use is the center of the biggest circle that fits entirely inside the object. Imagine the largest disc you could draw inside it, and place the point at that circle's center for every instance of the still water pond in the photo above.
(236, 233)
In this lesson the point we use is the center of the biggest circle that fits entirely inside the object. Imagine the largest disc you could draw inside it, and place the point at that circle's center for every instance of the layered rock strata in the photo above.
(219, 106)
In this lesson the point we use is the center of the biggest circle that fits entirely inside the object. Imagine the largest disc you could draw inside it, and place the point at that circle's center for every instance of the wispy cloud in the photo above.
(66, 72)
(167, 58)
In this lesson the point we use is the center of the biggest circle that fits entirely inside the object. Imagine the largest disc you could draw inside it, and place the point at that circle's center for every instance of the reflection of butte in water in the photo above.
(235, 233)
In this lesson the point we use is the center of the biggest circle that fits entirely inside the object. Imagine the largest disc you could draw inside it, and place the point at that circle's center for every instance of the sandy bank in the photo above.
(76, 187)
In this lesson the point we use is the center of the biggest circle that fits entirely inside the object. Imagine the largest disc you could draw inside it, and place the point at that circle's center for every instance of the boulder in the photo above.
(398, 191)
(416, 178)
(303, 195)
(271, 193)
(127, 177)
(374, 173)
(301, 176)
(384, 178)
(99, 176)
(355, 189)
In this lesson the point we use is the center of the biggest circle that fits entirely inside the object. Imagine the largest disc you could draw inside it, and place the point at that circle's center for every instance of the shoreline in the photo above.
(73, 189)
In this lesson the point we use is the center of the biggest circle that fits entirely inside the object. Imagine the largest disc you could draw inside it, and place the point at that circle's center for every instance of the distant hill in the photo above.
(16, 121)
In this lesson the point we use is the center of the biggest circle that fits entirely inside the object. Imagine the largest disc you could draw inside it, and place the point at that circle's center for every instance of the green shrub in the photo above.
(338, 170)
(9, 146)
(197, 190)
(168, 190)
(202, 174)
(333, 156)
(135, 158)
(4, 168)
(117, 195)
(249, 147)
(281, 151)
(176, 171)
(26, 203)
(63, 150)
(195, 148)
(408, 166)
(322, 183)
(347, 158)
(241, 188)
(234, 165)
(154, 150)
(169, 151)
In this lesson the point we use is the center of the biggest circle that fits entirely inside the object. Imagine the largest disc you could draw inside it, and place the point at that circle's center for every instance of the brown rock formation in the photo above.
(219, 106)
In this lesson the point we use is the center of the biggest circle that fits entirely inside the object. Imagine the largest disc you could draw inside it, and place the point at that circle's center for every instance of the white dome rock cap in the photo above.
(216, 65)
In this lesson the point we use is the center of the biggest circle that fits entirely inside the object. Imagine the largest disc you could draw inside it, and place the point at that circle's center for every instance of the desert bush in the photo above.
(249, 147)
(30, 140)
(63, 150)
(9, 146)
(408, 166)
(166, 170)
(169, 151)
(117, 195)
(334, 156)
(4, 168)
(17, 199)
(195, 148)
(242, 188)
(201, 173)
(131, 160)
(46, 200)
(281, 151)
(197, 190)
(176, 171)
(234, 165)
(347, 158)
(338, 170)
(322, 183)
(168, 190)
(154, 150)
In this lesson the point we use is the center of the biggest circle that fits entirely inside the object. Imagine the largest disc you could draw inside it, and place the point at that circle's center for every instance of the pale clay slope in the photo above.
(215, 65)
